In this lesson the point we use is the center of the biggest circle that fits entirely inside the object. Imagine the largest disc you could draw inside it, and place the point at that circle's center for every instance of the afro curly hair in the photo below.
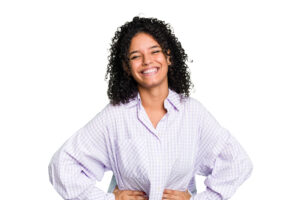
(121, 85)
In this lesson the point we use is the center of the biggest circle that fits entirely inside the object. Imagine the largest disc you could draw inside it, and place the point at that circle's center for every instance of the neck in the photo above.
(153, 98)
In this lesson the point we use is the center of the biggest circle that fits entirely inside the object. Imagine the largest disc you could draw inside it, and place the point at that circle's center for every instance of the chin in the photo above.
(151, 85)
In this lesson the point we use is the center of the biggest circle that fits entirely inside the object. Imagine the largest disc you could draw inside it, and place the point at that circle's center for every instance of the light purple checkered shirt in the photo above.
(187, 141)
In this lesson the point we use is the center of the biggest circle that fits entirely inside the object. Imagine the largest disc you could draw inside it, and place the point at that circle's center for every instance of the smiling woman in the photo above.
(135, 44)
(148, 64)
(152, 135)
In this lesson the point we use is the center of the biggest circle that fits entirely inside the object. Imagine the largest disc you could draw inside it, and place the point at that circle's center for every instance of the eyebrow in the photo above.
(155, 46)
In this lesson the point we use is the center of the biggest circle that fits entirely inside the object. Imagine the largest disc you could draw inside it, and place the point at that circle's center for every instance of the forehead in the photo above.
(143, 40)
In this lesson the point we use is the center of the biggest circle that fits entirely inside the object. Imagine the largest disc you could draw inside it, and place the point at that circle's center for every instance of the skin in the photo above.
(140, 195)
(145, 53)
(129, 194)
(176, 195)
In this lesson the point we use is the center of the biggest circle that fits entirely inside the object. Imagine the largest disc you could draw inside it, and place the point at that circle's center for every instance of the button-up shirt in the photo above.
(187, 141)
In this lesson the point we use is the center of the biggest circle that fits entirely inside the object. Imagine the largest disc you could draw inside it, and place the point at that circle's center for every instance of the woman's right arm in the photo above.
(80, 162)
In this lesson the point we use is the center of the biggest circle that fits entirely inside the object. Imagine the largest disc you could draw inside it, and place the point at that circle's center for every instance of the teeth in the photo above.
(150, 71)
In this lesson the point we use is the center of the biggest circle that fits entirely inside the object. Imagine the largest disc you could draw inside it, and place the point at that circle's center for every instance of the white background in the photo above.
(245, 69)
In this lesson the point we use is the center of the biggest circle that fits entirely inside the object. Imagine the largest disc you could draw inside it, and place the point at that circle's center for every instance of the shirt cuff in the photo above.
(207, 195)
(110, 196)
(95, 193)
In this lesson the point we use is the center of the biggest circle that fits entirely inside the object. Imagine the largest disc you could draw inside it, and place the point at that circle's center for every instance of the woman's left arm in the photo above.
(221, 159)
(229, 168)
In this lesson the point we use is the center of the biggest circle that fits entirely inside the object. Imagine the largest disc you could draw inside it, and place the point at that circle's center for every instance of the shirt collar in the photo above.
(173, 98)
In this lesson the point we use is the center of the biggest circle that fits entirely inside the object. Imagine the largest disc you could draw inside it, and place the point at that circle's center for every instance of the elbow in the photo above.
(56, 176)
(247, 168)
(250, 166)
(53, 170)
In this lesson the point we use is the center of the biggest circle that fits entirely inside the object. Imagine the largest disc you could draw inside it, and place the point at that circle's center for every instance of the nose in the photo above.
(147, 59)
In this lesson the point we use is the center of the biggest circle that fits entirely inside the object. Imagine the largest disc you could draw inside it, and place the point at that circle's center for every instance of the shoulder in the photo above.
(105, 120)
(196, 110)
(111, 111)
(193, 105)
(186, 104)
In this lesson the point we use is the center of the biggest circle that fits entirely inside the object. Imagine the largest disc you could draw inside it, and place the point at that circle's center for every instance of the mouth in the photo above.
(150, 71)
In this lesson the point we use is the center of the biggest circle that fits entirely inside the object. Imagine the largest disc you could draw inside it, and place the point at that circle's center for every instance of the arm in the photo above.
(221, 159)
(80, 162)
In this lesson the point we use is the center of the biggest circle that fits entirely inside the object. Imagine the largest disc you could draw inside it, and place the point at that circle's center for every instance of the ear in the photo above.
(126, 68)
(168, 57)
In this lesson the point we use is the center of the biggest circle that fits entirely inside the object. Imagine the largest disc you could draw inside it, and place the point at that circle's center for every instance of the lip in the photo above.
(150, 74)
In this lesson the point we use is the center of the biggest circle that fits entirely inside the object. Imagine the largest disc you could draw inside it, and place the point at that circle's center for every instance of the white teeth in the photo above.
(150, 71)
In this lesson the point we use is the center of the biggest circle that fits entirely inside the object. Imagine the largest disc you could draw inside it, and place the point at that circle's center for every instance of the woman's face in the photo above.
(148, 63)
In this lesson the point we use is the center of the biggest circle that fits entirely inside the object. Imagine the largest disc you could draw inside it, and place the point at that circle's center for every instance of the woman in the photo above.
(152, 135)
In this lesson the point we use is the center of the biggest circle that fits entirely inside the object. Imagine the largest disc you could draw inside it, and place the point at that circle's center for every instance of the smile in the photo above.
(149, 72)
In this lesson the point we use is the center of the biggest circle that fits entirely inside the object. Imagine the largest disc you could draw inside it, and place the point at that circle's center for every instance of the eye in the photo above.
(157, 51)
(134, 57)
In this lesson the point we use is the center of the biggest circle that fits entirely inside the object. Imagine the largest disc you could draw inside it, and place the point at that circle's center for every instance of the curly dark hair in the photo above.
(121, 86)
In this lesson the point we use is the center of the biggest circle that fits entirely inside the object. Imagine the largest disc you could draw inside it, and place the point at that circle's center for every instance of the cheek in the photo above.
(163, 60)
(134, 71)
(134, 65)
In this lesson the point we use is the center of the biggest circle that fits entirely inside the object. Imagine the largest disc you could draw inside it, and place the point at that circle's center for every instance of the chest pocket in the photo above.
(132, 158)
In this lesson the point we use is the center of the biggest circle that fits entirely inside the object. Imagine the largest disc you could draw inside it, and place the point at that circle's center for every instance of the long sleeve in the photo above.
(80, 162)
(221, 159)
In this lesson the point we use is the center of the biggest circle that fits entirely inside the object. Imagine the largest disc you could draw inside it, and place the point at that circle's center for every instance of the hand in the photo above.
(176, 195)
(129, 194)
